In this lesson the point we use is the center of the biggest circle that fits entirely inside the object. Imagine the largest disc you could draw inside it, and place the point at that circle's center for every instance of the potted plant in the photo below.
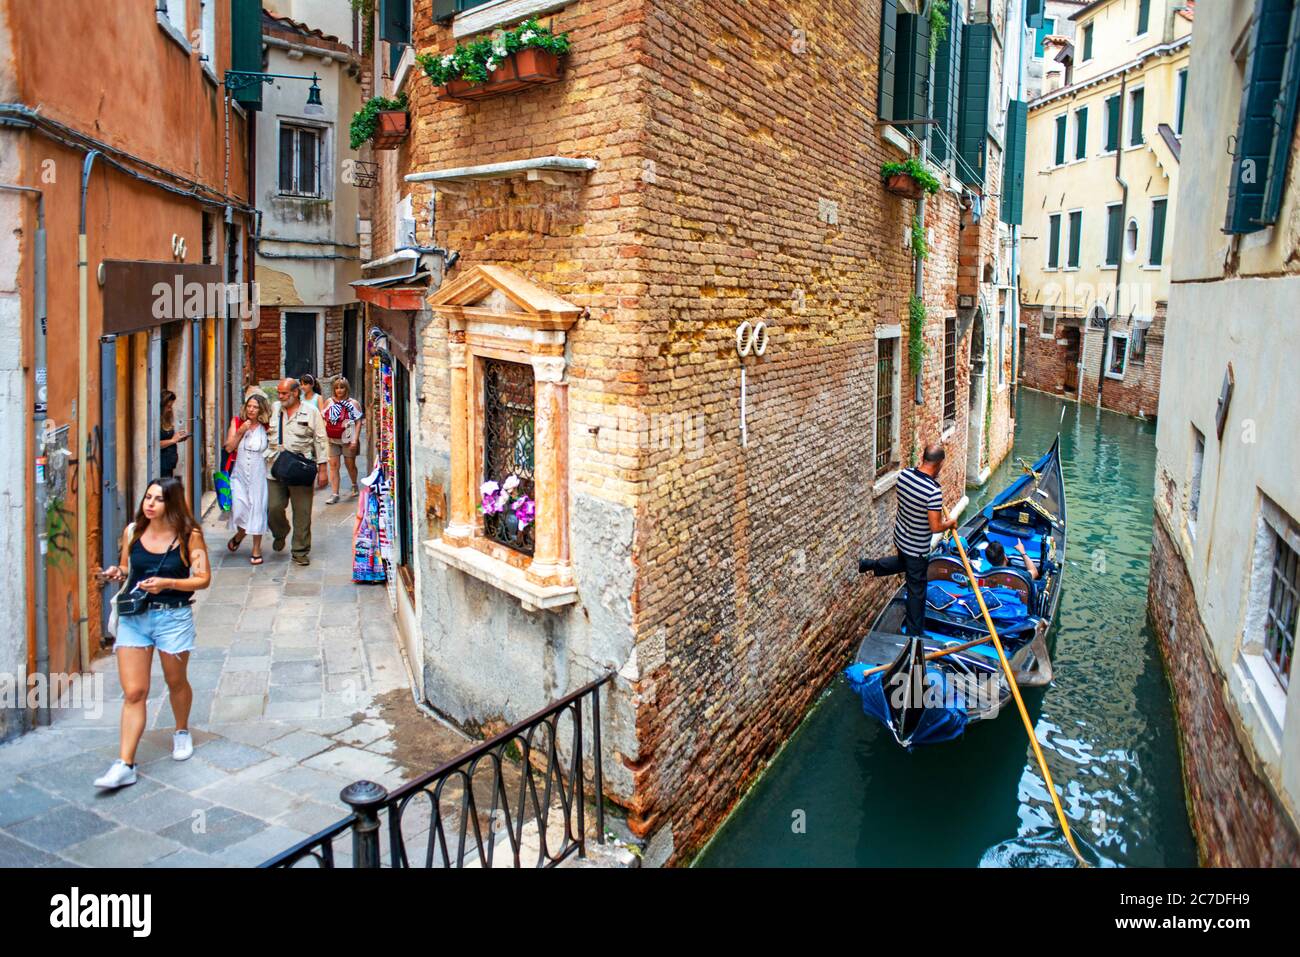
(514, 510)
(528, 55)
(909, 178)
(383, 120)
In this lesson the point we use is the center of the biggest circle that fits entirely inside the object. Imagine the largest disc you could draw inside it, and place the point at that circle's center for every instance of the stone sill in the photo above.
(1260, 691)
(167, 27)
(507, 578)
(885, 483)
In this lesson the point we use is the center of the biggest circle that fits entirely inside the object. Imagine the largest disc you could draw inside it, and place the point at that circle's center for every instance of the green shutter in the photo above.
(1158, 208)
(1136, 138)
(1284, 123)
(912, 70)
(1076, 239)
(1182, 99)
(1060, 138)
(1112, 123)
(246, 48)
(973, 102)
(1042, 33)
(947, 72)
(444, 9)
(1013, 164)
(1144, 16)
(1087, 42)
(1114, 234)
(888, 59)
(1054, 241)
(1033, 13)
(395, 21)
(1081, 133)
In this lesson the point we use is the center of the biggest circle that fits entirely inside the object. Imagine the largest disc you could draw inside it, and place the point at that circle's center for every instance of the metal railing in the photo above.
(523, 787)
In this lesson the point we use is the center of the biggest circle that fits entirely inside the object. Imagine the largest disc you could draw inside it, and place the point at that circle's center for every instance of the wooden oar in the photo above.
(939, 654)
(1020, 704)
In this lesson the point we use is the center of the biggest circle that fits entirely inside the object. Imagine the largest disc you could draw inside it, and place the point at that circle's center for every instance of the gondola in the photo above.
(926, 702)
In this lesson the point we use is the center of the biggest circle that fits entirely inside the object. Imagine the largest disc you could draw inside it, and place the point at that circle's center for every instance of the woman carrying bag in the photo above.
(343, 426)
(246, 441)
(164, 561)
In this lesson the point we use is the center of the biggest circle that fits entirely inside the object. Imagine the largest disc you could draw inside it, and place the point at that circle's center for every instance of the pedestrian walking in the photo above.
(310, 390)
(169, 437)
(920, 515)
(343, 417)
(298, 448)
(164, 560)
(247, 441)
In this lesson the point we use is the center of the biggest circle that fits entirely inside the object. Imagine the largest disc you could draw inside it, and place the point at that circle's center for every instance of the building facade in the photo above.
(1225, 568)
(1050, 63)
(1102, 190)
(668, 292)
(308, 251)
(130, 215)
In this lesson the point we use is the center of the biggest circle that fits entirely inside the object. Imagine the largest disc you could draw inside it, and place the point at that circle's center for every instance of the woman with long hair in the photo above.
(246, 441)
(164, 561)
(169, 437)
(342, 426)
(310, 390)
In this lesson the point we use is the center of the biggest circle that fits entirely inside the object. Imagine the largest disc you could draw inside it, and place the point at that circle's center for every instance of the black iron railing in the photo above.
(521, 794)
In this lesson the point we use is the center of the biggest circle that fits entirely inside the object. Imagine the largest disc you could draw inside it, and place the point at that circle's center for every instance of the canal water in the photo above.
(842, 793)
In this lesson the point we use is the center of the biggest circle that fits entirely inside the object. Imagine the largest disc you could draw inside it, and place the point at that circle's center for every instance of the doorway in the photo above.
(299, 344)
(352, 349)
(1071, 336)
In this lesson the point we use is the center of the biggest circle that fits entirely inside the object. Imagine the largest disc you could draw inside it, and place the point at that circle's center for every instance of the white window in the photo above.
(1283, 601)
(1194, 494)
(885, 445)
(1117, 356)
(208, 34)
(1131, 240)
(1272, 610)
(301, 160)
(171, 18)
(1180, 101)
(1049, 323)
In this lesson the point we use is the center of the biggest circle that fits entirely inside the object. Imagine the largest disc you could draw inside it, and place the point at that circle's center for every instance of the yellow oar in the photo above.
(1020, 703)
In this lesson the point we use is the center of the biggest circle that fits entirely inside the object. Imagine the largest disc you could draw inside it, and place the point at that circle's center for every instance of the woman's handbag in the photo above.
(292, 468)
(131, 602)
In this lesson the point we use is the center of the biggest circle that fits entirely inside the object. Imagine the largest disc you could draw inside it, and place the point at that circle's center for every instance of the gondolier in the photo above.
(920, 515)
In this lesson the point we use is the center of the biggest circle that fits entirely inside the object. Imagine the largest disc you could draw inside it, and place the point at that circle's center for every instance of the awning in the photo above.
(399, 327)
(142, 294)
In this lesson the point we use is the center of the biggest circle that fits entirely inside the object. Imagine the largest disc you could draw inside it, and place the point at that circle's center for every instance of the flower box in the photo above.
(901, 184)
(393, 127)
(518, 71)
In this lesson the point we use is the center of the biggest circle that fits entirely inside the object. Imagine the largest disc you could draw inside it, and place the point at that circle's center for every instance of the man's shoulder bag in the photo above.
(292, 468)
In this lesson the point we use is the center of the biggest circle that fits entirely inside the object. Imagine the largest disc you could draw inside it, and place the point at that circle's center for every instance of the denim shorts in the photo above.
(168, 629)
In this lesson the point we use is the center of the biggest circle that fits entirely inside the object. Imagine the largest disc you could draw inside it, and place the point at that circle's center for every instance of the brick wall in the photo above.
(1138, 393)
(262, 345)
(1044, 364)
(1234, 814)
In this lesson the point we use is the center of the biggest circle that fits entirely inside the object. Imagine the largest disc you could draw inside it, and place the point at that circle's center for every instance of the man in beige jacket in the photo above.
(304, 433)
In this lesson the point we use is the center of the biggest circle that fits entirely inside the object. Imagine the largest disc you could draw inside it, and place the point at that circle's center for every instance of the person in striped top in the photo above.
(920, 515)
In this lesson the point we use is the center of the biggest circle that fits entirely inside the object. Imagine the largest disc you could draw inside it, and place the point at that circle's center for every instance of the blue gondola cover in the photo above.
(937, 724)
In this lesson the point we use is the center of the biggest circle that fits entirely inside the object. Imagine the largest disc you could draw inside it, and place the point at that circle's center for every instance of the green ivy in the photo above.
(920, 248)
(366, 8)
(938, 24)
(915, 169)
(475, 60)
(915, 334)
(366, 119)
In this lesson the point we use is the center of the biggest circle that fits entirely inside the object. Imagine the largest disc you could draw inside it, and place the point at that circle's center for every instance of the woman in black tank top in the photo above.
(164, 561)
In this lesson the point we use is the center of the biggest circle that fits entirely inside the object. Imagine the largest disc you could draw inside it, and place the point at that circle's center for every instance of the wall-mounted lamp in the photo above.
(239, 79)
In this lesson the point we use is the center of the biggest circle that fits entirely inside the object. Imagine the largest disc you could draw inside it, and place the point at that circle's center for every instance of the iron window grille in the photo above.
(950, 372)
(508, 433)
(1283, 604)
(884, 406)
(300, 161)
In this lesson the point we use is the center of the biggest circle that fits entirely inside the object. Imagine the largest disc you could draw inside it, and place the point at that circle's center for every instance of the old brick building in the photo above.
(611, 241)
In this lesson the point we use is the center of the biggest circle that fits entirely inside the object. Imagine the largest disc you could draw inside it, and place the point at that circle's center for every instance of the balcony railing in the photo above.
(518, 799)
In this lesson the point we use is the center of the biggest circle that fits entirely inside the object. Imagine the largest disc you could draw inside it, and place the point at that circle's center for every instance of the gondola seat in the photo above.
(1016, 580)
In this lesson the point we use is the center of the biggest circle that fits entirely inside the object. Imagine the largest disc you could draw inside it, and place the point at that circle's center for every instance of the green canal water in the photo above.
(843, 794)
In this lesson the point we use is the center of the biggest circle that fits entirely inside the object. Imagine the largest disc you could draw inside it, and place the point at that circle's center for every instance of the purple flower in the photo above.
(525, 510)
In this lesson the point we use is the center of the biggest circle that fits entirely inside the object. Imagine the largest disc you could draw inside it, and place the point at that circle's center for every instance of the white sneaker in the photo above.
(118, 776)
(182, 746)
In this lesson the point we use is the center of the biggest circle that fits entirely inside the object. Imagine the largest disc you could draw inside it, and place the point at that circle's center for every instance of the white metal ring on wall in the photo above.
(751, 337)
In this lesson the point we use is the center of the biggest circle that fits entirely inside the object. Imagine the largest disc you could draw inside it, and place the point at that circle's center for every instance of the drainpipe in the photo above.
(39, 586)
(1119, 260)
(83, 438)
(1015, 247)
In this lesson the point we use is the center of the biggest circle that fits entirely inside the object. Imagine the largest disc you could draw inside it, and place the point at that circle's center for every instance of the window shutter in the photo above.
(1076, 239)
(947, 71)
(1060, 138)
(1182, 99)
(1034, 13)
(1042, 33)
(1135, 121)
(1284, 122)
(1081, 133)
(1144, 16)
(1112, 123)
(1114, 234)
(973, 102)
(912, 69)
(286, 159)
(246, 48)
(888, 60)
(1054, 241)
(445, 9)
(1087, 42)
(395, 21)
(1013, 163)
(1158, 231)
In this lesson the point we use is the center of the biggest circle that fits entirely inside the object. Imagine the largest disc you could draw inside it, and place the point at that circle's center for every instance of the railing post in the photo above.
(600, 777)
(365, 798)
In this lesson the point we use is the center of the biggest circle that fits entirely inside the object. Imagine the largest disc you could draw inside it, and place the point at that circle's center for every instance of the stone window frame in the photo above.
(494, 312)
(1047, 313)
(1195, 481)
(886, 481)
(1110, 354)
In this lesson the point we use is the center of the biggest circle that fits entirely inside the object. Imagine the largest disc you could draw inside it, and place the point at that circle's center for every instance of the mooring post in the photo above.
(365, 798)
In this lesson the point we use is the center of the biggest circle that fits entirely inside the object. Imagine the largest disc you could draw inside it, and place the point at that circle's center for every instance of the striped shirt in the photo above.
(918, 494)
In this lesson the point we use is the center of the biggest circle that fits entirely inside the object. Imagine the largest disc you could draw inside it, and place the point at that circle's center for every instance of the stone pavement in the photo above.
(300, 688)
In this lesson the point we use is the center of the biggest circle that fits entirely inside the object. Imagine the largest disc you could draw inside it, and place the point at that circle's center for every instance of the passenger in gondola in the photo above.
(995, 557)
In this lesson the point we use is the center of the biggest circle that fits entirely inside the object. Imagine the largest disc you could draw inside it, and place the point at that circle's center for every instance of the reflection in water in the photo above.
(842, 793)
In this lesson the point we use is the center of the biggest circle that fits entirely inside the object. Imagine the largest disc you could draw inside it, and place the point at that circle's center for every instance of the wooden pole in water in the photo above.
(1020, 703)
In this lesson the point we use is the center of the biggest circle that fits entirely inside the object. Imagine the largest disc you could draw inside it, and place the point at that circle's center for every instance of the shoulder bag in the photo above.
(292, 468)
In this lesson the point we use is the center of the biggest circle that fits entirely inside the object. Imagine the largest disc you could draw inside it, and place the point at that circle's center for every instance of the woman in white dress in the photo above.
(246, 440)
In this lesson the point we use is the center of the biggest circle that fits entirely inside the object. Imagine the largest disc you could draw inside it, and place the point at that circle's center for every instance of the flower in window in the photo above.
(525, 510)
